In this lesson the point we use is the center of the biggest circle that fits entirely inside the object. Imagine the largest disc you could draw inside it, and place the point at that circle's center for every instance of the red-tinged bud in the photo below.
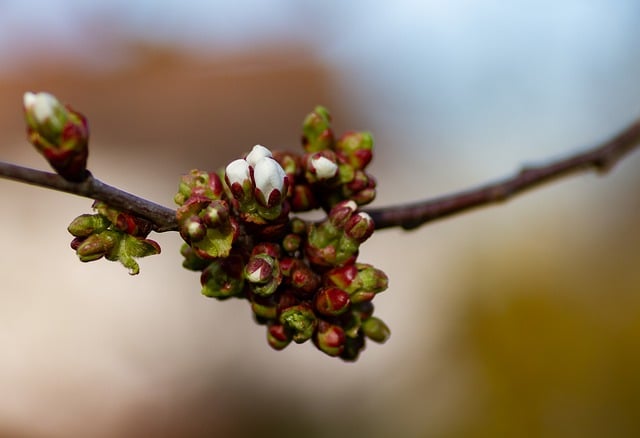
(263, 274)
(59, 133)
(331, 301)
(304, 279)
(267, 248)
(300, 320)
(87, 224)
(287, 299)
(329, 338)
(355, 148)
(122, 221)
(288, 264)
(278, 336)
(291, 243)
(359, 227)
(75, 243)
(362, 296)
(302, 198)
(216, 214)
(341, 277)
(193, 229)
(359, 277)
(375, 329)
(316, 131)
(364, 197)
(320, 167)
(199, 183)
(341, 213)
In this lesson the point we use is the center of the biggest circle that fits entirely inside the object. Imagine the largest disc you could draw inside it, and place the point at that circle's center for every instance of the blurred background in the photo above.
(516, 320)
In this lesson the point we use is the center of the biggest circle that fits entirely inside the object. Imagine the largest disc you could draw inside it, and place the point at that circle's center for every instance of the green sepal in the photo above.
(216, 244)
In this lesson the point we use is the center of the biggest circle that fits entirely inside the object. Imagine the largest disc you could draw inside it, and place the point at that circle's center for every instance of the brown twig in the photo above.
(601, 158)
(408, 216)
(162, 218)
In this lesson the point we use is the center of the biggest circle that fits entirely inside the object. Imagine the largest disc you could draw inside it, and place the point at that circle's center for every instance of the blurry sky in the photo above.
(476, 76)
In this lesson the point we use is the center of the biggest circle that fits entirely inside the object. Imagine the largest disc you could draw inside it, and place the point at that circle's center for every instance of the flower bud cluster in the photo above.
(331, 169)
(112, 234)
(301, 278)
(59, 133)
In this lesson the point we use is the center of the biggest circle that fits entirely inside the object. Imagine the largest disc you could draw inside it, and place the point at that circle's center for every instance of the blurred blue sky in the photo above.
(520, 78)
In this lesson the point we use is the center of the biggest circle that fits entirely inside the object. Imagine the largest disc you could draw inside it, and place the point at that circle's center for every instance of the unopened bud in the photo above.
(341, 212)
(375, 329)
(97, 246)
(257, 154)
(263, 273)
(238, 177)
(277, 336)
(316, 129)
(201, 184)
(222, 279)
(270, 182)
(59, 133)
(300, 320)
(355, 148)
(320, 166)
(216, 214)
(331, 301)
(87, 224)
(359, 227)
(193, 229)
(329, 338)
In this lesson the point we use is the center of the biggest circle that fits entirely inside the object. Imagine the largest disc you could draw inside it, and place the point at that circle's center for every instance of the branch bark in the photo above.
(408, 216)
(162, 218)
(601, 159)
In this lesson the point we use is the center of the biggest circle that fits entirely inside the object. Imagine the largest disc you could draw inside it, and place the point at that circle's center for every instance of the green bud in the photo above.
(87, 224)
(375, 329)
(291, 242)
(219, 280)
(316, 130)
(97, 246)
(300, 320)
(265, 308)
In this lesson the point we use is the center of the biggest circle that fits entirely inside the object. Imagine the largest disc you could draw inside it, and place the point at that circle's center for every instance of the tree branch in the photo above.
(601, 158)
(162, 218)
(408, 216)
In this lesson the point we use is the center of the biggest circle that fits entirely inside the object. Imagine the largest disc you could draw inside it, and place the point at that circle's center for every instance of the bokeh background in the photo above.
(516, 320)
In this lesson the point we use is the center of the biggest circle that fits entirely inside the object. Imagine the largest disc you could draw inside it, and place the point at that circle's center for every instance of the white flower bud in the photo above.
(268, 176)
(237, 172)
(257, 153)
(324, 167)
(41, 105)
